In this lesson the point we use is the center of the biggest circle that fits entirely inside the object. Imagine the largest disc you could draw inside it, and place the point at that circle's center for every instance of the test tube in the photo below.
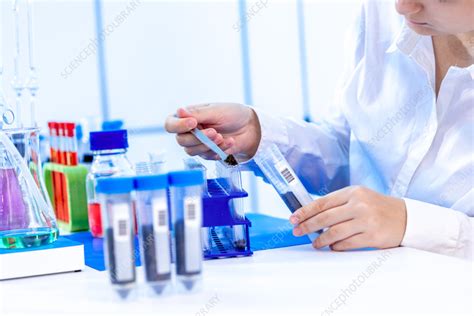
(194, 164)
(233, 178)
(278, 171)
(62, 144)
(186, 210)
(154, 230)
(53, 145)
(71, 144)
(115, 196)
(53, 141)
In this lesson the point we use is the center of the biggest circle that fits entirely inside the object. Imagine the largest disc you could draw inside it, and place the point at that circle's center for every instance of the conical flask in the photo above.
(26, 216)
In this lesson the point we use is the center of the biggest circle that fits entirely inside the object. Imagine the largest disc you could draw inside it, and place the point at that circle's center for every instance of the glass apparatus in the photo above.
(110, 160)
(26, 216)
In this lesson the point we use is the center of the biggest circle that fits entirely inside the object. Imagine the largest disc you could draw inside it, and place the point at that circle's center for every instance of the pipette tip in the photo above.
(231, 161)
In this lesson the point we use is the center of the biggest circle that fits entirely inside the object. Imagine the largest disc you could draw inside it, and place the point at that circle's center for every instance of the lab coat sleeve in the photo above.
(318, 151)
(438, 229)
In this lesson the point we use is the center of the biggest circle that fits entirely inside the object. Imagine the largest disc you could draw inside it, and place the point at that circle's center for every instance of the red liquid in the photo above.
(72, 158)
(64, 187)
(58, 195)
(95, 220)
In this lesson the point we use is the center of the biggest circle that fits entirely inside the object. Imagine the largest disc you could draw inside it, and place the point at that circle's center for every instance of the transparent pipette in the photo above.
(7, 116)
(16, 82)
(32, 81)
(228, 159)
(278, 171)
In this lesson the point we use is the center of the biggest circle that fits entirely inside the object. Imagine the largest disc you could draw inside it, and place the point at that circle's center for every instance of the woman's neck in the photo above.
(460, 47)
(452, 50)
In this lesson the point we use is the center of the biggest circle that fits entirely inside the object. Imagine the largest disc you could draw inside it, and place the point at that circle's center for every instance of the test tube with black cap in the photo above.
(186, 209)
(114, 194)
(279, 173)
(154, 230)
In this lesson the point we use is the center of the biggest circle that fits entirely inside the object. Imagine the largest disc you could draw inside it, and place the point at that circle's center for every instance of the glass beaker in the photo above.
(26, 216)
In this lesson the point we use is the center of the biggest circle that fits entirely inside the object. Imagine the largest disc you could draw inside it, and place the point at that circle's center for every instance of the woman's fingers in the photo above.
(353, 242)
(189, 140)
(322, 204)
(325, 219)
(174, 124)
(338, 232)
(201, 148)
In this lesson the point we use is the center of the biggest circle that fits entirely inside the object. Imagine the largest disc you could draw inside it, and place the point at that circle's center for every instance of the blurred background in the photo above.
(138, 60)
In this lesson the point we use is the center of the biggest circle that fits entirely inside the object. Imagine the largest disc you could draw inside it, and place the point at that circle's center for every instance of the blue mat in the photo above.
(266, 233)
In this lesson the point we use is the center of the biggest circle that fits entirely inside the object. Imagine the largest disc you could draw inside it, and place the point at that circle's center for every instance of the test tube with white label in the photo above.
(154, 230)
(114, 194)
(186, 210)
(192, 163)
(279, 173)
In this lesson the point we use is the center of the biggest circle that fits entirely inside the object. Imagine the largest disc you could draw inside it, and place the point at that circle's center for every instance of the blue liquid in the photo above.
(28, 238)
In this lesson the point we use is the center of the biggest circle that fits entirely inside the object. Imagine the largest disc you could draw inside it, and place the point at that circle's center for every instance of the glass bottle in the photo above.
(109, 149)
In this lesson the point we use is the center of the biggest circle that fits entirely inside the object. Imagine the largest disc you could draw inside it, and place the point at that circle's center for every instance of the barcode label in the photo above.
(121, 222)
(122, 227)
(160, 215)
(191, 211)
(162, 218)
(287, 175)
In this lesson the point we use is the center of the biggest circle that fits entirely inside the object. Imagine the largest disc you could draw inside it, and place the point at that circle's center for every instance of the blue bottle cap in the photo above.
(112, 125)
(79, 132)
(186, 178)
(151, 182)
(115, 185)
(108, 140)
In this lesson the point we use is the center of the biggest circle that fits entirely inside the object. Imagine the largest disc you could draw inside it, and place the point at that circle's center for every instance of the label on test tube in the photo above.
(122, 261)
(297, 193)
(285, 172)
(161, 231)
(192, 234)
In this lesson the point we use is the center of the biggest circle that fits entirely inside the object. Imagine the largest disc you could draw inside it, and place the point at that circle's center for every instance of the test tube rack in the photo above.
(68, 195)
(217, 216)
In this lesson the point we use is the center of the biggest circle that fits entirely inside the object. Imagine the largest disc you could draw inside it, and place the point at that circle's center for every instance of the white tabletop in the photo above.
(294, 281)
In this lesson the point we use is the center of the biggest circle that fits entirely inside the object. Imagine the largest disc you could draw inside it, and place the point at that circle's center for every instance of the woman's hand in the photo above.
(356, 217)
(234, 127)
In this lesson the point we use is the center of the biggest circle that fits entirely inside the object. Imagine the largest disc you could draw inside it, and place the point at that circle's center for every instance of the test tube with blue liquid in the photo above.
(186, 210)
(279, 173)
(154, 230)
(115, 196)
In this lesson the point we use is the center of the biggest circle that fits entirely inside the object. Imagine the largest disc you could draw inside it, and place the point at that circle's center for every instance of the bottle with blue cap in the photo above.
(154, 229)
(115, 196)
(110, 160)
(186, 210)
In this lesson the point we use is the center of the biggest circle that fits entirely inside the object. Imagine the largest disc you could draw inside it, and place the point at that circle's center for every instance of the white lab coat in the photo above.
(390, 133)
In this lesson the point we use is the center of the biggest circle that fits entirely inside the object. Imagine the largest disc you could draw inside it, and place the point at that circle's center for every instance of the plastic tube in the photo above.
(279, 173)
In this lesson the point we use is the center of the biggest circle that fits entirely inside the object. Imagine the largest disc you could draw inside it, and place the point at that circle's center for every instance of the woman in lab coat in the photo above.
(397, 153)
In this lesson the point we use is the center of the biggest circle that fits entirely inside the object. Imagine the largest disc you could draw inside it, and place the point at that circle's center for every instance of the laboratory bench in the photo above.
(297, 280)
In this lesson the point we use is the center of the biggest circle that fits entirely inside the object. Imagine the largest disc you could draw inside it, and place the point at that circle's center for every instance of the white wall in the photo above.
(165, 54)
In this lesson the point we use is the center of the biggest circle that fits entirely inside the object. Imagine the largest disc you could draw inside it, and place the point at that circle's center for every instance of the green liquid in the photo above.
(27, 238)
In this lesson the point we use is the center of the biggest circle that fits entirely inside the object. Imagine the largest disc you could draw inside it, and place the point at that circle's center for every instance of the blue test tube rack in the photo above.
(217, 214)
